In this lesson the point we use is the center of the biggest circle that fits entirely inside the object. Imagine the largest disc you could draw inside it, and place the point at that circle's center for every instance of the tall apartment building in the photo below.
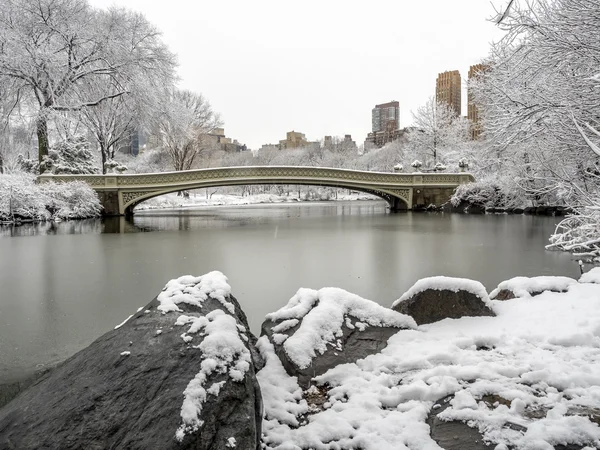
(447, 89)
(385, 124)
(472, 112)
(385, 117)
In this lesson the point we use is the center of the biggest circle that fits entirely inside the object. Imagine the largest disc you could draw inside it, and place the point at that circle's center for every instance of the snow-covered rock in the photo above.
(593, 276)
(318, 330)
(436, 298)
(192, 385)
(528, 378)
(527, 287)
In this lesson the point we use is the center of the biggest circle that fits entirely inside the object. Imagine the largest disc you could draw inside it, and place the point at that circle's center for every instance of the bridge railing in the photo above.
(254, 173)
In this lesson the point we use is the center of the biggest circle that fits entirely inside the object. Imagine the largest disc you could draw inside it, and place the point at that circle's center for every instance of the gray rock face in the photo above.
(106, 398)
(354, 345)
(453, 435)
(432, 305)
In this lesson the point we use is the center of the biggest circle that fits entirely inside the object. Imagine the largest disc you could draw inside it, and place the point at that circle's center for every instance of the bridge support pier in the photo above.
(110, 202)
(397, 205)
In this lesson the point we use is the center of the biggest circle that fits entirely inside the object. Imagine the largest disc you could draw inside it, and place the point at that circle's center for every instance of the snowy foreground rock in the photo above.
(437, 298)
(527, 378)
(179, 374)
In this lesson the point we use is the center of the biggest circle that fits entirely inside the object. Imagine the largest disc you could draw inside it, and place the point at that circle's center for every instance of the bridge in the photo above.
(119, 194)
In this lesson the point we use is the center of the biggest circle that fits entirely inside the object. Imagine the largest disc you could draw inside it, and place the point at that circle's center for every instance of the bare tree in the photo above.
(185, 120)
(56, 49)
(437, 129)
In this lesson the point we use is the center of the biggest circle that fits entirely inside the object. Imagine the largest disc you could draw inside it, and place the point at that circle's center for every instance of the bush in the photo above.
(22, 199)
(485, 194)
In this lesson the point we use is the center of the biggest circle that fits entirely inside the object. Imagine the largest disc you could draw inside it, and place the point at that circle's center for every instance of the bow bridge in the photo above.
(119, 194)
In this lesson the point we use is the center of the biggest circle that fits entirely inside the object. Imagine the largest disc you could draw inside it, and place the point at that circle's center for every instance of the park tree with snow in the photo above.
(55, 50)
(438, 133)
(182, 127)
(539, 106)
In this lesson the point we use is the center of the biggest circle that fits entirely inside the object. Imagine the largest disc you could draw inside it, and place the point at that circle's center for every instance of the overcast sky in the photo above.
(317, 66)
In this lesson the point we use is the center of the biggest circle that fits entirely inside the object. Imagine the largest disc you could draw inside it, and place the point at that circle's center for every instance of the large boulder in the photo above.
(437, 298)
(318, 330)
(178, 374)
(527, 287)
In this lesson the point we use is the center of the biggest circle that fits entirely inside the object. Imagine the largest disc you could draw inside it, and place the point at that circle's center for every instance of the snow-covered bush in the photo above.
(72, 200)
(579, 233)
(114, 166)
(27, 165)
(70, 156)
(416, 164)
(22, 199)
(484, 193)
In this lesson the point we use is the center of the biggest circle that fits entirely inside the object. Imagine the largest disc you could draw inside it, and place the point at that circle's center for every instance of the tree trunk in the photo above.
(103, 152)
(42, 135)
(1, 165)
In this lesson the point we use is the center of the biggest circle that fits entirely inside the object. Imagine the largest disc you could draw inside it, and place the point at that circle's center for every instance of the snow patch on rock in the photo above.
(223, 352)
(194, 291)
(593, 276)
(524, 287)
(323, 314)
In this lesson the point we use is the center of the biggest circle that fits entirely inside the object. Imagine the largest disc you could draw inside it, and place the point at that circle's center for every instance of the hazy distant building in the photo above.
(385, 125)
(216, 139)
(472, 111)
(448, 89)
(133, 143)
(340, 145)
(293, 139)
(268, 147)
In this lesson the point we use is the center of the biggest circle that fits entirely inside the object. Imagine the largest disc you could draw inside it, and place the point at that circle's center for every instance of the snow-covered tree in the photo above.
(437, 131)
(71, 156)
(182, 126)
(56, 49)
(539, 104)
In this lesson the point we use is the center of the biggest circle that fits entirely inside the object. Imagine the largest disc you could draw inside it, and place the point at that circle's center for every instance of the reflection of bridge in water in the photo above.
(119, 194)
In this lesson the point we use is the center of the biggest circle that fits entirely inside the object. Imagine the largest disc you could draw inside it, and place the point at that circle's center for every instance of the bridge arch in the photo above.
(396, 200)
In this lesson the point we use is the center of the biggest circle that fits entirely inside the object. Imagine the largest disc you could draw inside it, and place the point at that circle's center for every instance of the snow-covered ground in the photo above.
(528, 378)
(176, 201)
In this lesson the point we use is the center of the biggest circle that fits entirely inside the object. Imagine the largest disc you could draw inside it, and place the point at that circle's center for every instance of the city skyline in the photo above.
(266, 77)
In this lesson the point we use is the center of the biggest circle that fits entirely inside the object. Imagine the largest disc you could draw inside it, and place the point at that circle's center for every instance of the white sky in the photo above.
(317, 66)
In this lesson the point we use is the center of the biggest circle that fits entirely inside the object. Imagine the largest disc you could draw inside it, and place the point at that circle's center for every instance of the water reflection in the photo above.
(86, 226)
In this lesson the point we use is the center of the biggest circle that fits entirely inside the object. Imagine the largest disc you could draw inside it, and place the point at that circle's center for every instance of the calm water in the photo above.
(63, 285)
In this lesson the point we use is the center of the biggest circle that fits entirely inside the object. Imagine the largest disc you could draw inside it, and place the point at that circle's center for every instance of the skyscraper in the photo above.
(385, 125)
(447, 89)
(385, 117)
(472, 112)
